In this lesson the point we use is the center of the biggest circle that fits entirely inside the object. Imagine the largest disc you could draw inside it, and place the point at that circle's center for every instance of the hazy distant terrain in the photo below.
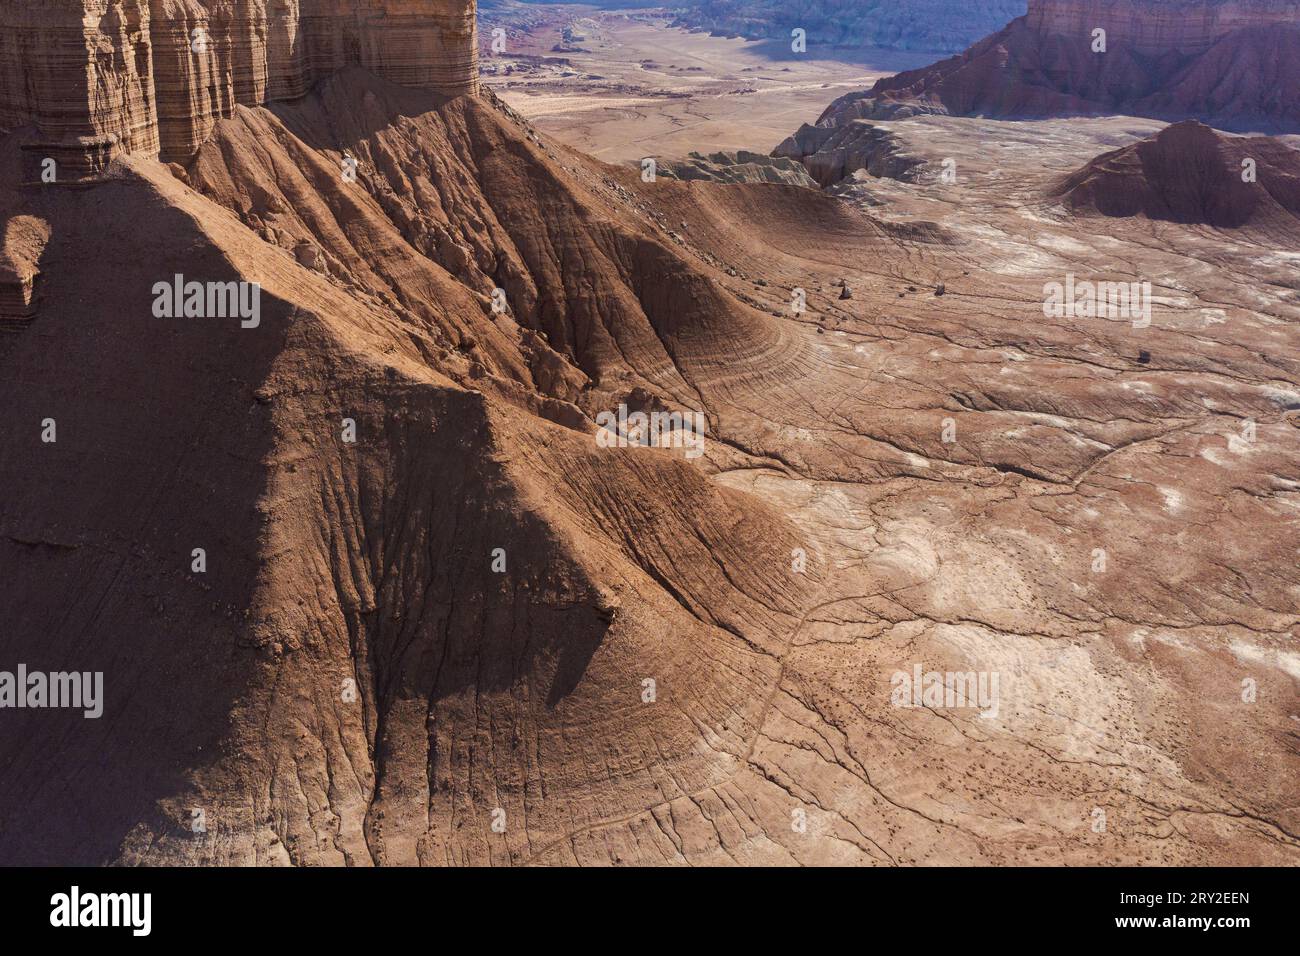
(939, 26)
(933, 26)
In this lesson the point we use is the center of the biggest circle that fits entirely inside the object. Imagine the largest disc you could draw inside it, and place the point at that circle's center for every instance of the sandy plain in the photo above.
(632, 86)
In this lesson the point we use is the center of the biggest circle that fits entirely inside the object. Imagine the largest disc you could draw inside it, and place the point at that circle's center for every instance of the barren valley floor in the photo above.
(634, 87)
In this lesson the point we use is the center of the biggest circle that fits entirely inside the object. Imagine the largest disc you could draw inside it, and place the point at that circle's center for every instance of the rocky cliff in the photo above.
(1235, 63)
(369, 583)
(96, 78)
(832, 153)
(1158, 26)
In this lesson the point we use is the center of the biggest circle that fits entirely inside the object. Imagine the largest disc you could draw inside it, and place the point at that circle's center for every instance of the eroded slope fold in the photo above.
(371, 562)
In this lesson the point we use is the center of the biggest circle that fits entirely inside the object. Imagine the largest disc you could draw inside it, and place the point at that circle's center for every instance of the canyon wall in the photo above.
(81, 72)
(1233, 63)
(1158, 26)
(95, 78)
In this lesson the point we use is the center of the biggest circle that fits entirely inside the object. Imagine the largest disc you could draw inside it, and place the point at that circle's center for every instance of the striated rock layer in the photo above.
(834, 153)
(1234, 63)
(1158, 26)
(739, 167)
(98, 78)
(81, 72)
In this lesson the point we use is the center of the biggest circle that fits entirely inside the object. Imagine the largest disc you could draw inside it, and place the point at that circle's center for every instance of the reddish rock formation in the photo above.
(82, 74)
(832, 153)
(100, 78)
(21, 244)
(1237, 63)
(1190, 173)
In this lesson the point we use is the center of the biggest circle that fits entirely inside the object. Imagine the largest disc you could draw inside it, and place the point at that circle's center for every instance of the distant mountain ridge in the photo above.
(938, 26)
(1232, 62)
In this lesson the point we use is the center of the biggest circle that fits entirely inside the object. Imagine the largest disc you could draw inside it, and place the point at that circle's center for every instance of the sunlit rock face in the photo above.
(96, 78)
(81, 72)
(1159, 26)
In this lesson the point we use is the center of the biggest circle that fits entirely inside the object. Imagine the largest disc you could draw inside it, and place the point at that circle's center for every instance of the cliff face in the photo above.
(81, 73)
(832, 153)
(1234, 63)
(96, 78)
(1158, 26)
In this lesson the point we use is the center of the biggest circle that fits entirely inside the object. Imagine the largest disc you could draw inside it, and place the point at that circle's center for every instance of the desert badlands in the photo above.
(439, 436)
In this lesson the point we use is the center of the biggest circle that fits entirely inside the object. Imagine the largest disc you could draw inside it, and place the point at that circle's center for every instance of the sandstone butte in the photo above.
(99, 78)
(475, 635)
(1190, 173)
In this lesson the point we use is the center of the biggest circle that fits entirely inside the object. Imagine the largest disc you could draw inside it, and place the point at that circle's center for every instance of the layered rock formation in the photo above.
(100, 78)
(474, 434)
(81, 72)
(938, 26)
(1190, 173)
(1158, 27)
(832, 153)
(740, 166)
(1235, 62)
(478, 634)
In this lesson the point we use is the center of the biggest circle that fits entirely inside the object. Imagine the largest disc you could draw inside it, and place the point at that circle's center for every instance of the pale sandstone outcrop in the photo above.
(97, 78)
(832, 153)
(740, 166)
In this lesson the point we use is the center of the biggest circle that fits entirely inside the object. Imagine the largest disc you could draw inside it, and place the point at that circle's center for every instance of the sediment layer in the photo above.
(100, 78)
